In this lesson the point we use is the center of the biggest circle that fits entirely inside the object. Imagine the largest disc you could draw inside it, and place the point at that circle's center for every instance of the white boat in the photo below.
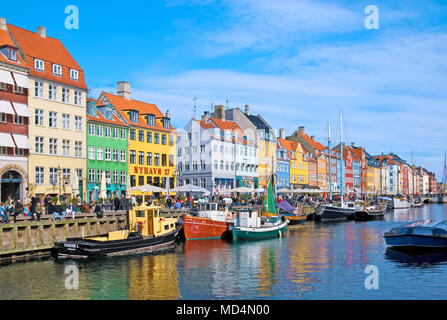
(400, 204)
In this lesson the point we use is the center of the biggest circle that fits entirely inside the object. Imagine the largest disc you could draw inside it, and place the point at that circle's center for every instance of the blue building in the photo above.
(282, 167)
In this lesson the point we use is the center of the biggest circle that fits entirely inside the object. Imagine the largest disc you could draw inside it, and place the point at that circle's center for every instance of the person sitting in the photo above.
(39, 211)
(3, 213)
(98, 210)
(71, 210)
(85, 207)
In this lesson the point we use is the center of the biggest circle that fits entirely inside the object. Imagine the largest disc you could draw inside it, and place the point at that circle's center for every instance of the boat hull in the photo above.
(369, 215)
(400, 204)
(295, 219)
(409, 241)
(196, 228)
(85, 248)
(242, 233)
(330, 213)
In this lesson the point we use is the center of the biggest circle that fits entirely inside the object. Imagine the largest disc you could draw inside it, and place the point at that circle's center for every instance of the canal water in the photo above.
(313, 261)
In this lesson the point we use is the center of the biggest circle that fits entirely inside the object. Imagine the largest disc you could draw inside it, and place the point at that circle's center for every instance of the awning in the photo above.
(5, 107)
(21, 109)
(6, 140)
(21, 141)
(21, 80)
(5, 76)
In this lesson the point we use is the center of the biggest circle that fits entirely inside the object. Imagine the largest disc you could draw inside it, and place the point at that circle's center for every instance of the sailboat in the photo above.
(443, 197)
(251, 225)
(330, 211)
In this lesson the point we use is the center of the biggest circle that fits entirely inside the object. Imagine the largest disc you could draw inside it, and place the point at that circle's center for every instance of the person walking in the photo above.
(116, 203)
(47, 202)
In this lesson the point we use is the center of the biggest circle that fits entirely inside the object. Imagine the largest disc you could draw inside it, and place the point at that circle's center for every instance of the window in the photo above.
(91, 153)
(78, 149)
(99, 175)
(186, 166)
(141, 180)
(52, 92)
(66, 121)
(149, 158)
(78, 123)
(157, 159)
(194, 166)
(179, 151)
(40, 175)
(38, 89)
(99, 153)
(141, 135)
(141, 157)
(66, 176)
(202, 149)
(91, 175)
(65, 147)
(3, 86)
(133, 115)
(123, 155)
(91, 129)
(18, 119)
(52, 119)
(123, 176)
(107, 176)
(108, 154)
(221, 164)
(53, 176)
(53, 146)
(39, 144)
(78, 98)
(133, 156)
(18, 89)
(57, 69)
(203, 183)
(115, 133)
(163, 160)
(38, 117)
(39, 65)
(108, 132)
(65, 95)
(171, 140)
(163, 139)
(156, 138)
(171, 160)
(12, 54)
(115, 155)
(115, 177)
(100, 131)
(149, 137)
(132, 134)
(216, 164)
(123, 134)
(151, 120)
(74, 74)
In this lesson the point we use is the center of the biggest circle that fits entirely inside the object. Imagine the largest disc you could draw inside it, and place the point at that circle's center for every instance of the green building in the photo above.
(106, 152)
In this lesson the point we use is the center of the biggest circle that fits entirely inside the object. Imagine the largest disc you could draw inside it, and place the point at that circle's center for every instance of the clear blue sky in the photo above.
(294, 62)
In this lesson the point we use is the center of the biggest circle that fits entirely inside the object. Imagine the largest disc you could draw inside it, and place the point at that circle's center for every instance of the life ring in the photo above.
(228, 216)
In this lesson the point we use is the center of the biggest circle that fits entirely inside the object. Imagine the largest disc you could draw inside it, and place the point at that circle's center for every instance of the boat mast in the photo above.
(330, 161)
(412, 168)
(341, 158)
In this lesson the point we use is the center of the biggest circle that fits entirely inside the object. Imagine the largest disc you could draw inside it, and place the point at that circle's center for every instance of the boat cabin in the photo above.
(146, 220)
(212, 206)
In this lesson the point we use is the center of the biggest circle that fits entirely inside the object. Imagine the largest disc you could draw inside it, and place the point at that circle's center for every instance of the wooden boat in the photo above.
(293, 214)
(148, 232)
(371, 213)
(423, 234)
(251, 225)
(210, 222)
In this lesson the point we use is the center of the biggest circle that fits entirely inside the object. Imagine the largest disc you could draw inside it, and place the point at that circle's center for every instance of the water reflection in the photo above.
(421, 260)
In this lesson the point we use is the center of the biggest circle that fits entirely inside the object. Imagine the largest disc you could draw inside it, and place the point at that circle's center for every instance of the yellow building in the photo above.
(57, 106)
(151, 139)
(266, 161)
(299, 169)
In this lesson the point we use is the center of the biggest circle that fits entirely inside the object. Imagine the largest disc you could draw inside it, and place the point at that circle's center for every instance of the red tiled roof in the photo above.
(50, 50)
(5, 40)
(122, 104)
(313, 143)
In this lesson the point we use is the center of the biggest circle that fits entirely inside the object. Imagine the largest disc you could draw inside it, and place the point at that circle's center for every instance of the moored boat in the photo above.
(371, 213)
(423, 234)
(148, 232)
(210, 222)
(293, 214)
(400, 203)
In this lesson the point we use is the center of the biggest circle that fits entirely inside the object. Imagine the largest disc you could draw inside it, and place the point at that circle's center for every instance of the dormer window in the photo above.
(92, 109)
(74, 74)
(12, 54)
(166, 123)
(57, 69)
(39, 65)
(133, 116)
(109, 113)
(151, 120)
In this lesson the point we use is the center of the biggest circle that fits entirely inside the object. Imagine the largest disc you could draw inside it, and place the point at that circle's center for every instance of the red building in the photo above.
(312, 167)
(404, 171)
(349, 171)
(14, 117)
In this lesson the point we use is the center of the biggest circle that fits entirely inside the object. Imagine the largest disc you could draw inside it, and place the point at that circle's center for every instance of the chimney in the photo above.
(42, 31)
(352, 144)
(301, 129)
(124, 89)
(168, 115)
(205, 116)
(247, 109)
(312, 137)
(3, 24)
(219, 112)
(282, 133)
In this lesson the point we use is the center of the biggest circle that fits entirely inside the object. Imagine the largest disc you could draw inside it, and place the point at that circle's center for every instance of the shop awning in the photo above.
(21, 141)
(6, 77)
(6, 140)
(5, 107)
(21, 80)
(21, 109)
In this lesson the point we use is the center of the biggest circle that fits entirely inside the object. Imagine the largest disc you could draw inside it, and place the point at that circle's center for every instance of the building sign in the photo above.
(151, 171)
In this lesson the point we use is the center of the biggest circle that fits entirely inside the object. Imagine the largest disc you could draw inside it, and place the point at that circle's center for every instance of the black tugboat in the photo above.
(148, 232)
